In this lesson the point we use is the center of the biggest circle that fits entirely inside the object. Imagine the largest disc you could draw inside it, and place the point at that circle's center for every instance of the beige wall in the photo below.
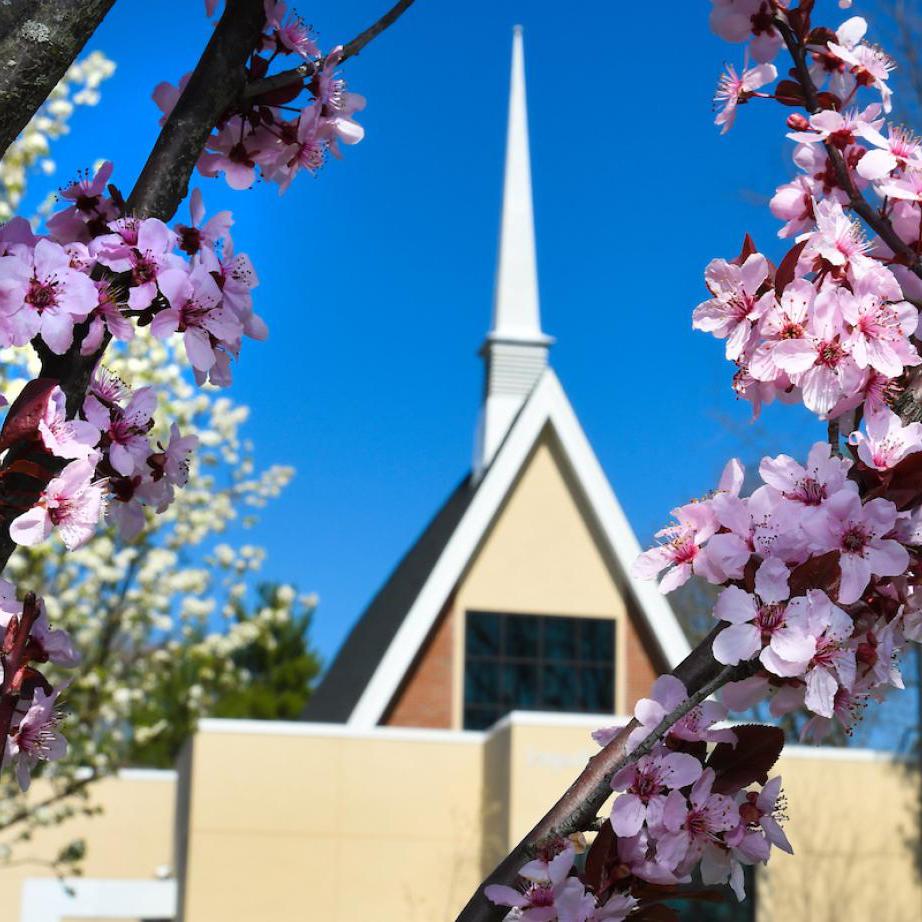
(305, 826)
(542, 556)
(131, 838)
(307, 822)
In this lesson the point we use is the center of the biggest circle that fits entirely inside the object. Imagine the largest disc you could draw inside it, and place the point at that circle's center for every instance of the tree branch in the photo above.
(40, 39)
(350, 50)
(215, 83)
(577, 809)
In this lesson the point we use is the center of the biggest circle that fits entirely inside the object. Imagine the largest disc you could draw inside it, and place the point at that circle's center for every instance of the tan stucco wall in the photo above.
(397, 827)
(541, 556)
(131, 838)
(305, 827)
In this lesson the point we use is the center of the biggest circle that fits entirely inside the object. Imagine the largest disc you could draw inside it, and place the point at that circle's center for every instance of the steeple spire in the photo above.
(515, 350)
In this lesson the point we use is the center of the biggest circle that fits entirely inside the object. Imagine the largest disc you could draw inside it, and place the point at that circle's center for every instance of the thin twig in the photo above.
(350, 50)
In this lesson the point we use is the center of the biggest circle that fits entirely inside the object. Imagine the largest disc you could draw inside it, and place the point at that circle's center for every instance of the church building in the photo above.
(517, 595)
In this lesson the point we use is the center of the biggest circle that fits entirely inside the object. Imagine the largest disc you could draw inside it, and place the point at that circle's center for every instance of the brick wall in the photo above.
(424, 696)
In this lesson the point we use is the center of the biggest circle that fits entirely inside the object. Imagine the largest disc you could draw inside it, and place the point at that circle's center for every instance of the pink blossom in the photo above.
(54, 644)
(667, 694)
(237, 278)
(307, 152)
(858, 532)
(645, 783)
(781, 321)
(125, 430)
(734, 89)
(192, 238)
(56, 297)
(166, 96)
(337, 105)
(292, 36)
(550, 895)
(793, 204)
(693, 823)
(232, 151)
(90, 207)
(818, 363)
(760, 809)
(900, 150)
(64, 438)
(143, 248)
(869, 66)
(837, 240)
(681, 554)
(36, 738)
(176, 457)
(71, 502)
(839, 128)
(879, 331)
(887, 440)
(106, 317)
(735, 306)
(196, 312)
(761, 620)
(808, 487)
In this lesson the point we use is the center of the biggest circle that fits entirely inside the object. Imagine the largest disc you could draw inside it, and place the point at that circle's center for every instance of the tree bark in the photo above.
(39, 40)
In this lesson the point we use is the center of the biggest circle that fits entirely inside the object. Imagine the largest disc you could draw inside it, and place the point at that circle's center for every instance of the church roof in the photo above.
(357, 659)
(379, 652)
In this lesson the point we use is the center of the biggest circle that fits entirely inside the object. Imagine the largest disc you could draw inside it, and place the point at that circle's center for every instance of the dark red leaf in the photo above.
(829, 100)
(785, 274)
(903, 486)
(789, 93)
(602, 854)
(817, 573)
(26, 410)
(746, 251)
(756, 751)
(820, 36)
(280, 96)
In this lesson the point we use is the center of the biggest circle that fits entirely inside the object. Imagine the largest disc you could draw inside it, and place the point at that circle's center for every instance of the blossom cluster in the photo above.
(26, 641)
(834, 325)
(100, 274)
(269, 133)
(698, 799)
(818, 566)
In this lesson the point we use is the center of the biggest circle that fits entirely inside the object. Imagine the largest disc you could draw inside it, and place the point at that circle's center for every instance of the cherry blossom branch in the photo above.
(13, 660)
(350, 50)
(217, 80)
(857, 202)
(909, 404)
(160, 188)
(40, 40)
(577, 809)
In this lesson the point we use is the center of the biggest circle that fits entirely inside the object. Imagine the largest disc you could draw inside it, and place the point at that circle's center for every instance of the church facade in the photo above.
(461, 705)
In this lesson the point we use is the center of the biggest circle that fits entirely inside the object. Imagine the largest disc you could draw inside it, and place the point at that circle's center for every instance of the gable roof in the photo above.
(357, 659)
(381, 648)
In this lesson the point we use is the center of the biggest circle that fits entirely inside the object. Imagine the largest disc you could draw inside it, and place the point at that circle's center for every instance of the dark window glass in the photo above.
(729, 910)
(536, 663)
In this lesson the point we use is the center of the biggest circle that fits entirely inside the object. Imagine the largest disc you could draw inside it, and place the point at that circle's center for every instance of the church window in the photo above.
(536, 663)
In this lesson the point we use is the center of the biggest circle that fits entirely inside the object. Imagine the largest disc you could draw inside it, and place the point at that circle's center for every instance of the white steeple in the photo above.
(515, 350)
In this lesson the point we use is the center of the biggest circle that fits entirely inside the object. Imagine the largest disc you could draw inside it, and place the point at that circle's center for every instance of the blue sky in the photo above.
(377, 274)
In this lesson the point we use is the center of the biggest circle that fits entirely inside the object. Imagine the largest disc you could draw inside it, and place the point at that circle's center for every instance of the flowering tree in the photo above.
(817, 570)
(93, 431)
(167, 616)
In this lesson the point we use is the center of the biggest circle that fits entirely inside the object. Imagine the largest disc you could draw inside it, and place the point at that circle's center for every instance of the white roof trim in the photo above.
(548, 404)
